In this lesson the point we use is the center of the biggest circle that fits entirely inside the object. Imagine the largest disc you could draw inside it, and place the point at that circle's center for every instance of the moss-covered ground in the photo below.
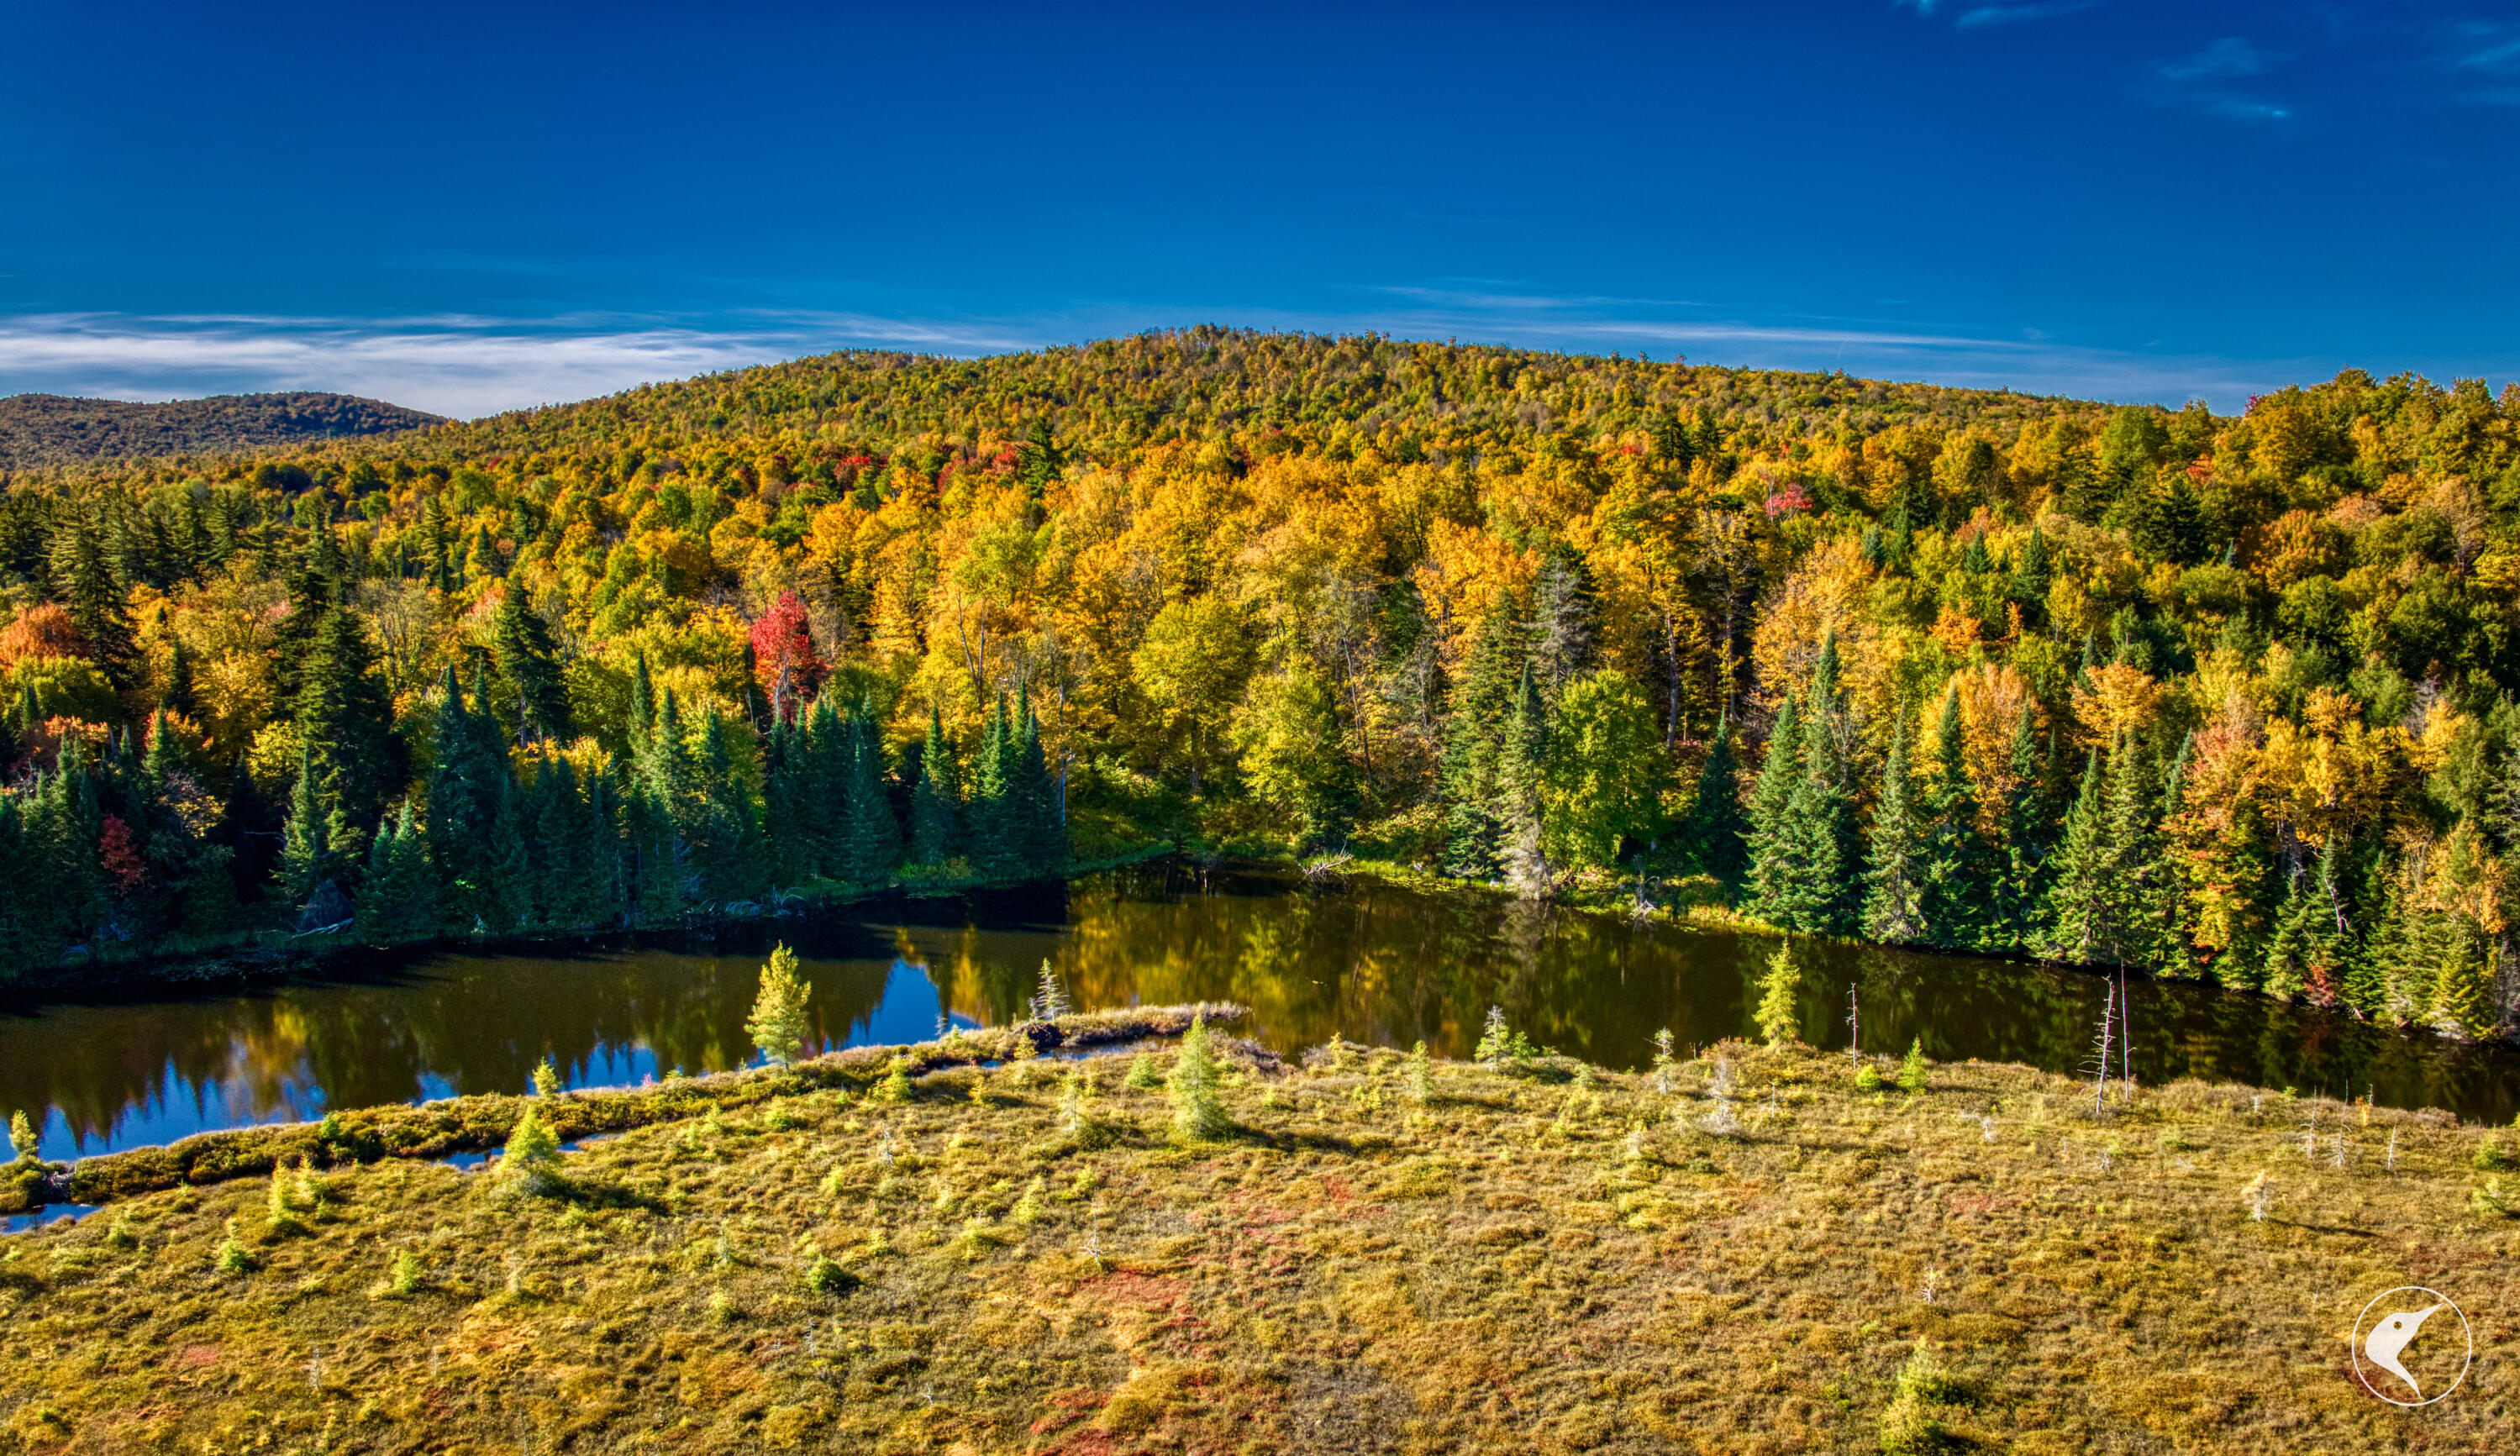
(1738, 1256)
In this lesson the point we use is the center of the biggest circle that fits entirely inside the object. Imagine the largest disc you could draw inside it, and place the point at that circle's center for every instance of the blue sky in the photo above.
(474, 208)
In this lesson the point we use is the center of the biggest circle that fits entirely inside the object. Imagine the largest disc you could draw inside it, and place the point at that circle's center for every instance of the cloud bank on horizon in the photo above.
(468, 367)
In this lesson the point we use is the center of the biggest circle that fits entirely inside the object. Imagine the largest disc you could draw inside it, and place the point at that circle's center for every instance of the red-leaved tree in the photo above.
(783, 656)
(121, 856)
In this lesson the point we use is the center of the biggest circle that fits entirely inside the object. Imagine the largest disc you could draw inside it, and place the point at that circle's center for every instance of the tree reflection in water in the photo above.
(1371, 963)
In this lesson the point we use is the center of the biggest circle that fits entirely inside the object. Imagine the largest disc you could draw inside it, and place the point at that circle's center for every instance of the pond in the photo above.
(1367, 961)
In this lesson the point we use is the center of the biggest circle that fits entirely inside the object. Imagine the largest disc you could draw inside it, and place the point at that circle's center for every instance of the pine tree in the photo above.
(1562, 621)
(2021, 860)
(1960, 873)
(466, 785)
(996, 839)
(870, 834)
(312, 842)
(1769, 803)
(1716, 831)
(1044, 829)
(346, 717)
(508, 866)
(2079, 907)
(1474, 839)
(1817, 890)
(778, 1025)
(528, 669)
(935, 803)
(398, 899)
(95, 600)
(1894, 880)
(2303, 946)
(727, 836)
(1522, 768)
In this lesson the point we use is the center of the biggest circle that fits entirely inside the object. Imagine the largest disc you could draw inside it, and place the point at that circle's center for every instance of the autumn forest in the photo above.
(2194, 694)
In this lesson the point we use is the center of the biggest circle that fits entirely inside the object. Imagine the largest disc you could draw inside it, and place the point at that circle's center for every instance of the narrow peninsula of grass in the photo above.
(1368, 1250)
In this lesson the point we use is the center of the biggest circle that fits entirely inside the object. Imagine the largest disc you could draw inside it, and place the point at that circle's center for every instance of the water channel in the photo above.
(1363, 960)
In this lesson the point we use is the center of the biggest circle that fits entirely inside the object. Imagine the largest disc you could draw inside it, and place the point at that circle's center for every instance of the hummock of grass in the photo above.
(1535, 1259)
(470, 1125)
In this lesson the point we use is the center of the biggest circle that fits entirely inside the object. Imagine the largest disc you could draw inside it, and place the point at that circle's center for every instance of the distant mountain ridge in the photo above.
(53, 429)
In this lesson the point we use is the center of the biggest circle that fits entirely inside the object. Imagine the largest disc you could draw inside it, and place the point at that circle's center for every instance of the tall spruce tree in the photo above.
(398, 898)
(345, 717)
(870, 834)
(1819, 890)
(1474, 837)
(2080, 917)
(1715, 835)
(1769, 803)
(2021, 859)
(1044, 830)
(315, 841)
(1522, 769)
(93, 597)
(936, 804)
(529, 675)
(1960, 873)
(1895, 878)
(996, 837)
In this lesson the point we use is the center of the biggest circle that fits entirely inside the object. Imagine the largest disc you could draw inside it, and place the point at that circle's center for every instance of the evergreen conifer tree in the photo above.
(94, 598)
(398, 899)
(1475, 838)
(935, 802)
(1716, 832)
(1895, 879)
(870, 834)
(2021, 860)
(1522, 768)
(996, 837)
(2079, 920)
(1817, 891)
(346, 717)
(1960, 873)
(312, 841)
(528, 669)
(1770, 802)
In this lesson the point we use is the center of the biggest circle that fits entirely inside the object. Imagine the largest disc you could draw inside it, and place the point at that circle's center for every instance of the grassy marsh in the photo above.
(1543, 1258)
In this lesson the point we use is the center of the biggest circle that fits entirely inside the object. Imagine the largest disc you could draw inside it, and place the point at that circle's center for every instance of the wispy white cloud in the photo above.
(2209, 80)
(2484, 57)
(2011, 15)
(468, 366)
(456, 365)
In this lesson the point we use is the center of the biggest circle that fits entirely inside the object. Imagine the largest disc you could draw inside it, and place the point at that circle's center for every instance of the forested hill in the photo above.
(52, 429)
(2224, 696)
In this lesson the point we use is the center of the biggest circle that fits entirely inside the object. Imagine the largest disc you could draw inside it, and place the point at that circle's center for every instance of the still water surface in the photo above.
(1367, 961)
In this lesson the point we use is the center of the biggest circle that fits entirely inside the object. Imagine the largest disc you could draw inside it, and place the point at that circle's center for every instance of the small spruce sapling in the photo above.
(22, 1141)
(532, 1156)
(1779, 1023)
(1867, 1079)
(1143, 1074)
(1911, 1067)
(1198, 1113)
(1501, 1047)
(1421, 1076)
(1663, 1063)
(547, 1080)
(895, 1087)
(778, 1021)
